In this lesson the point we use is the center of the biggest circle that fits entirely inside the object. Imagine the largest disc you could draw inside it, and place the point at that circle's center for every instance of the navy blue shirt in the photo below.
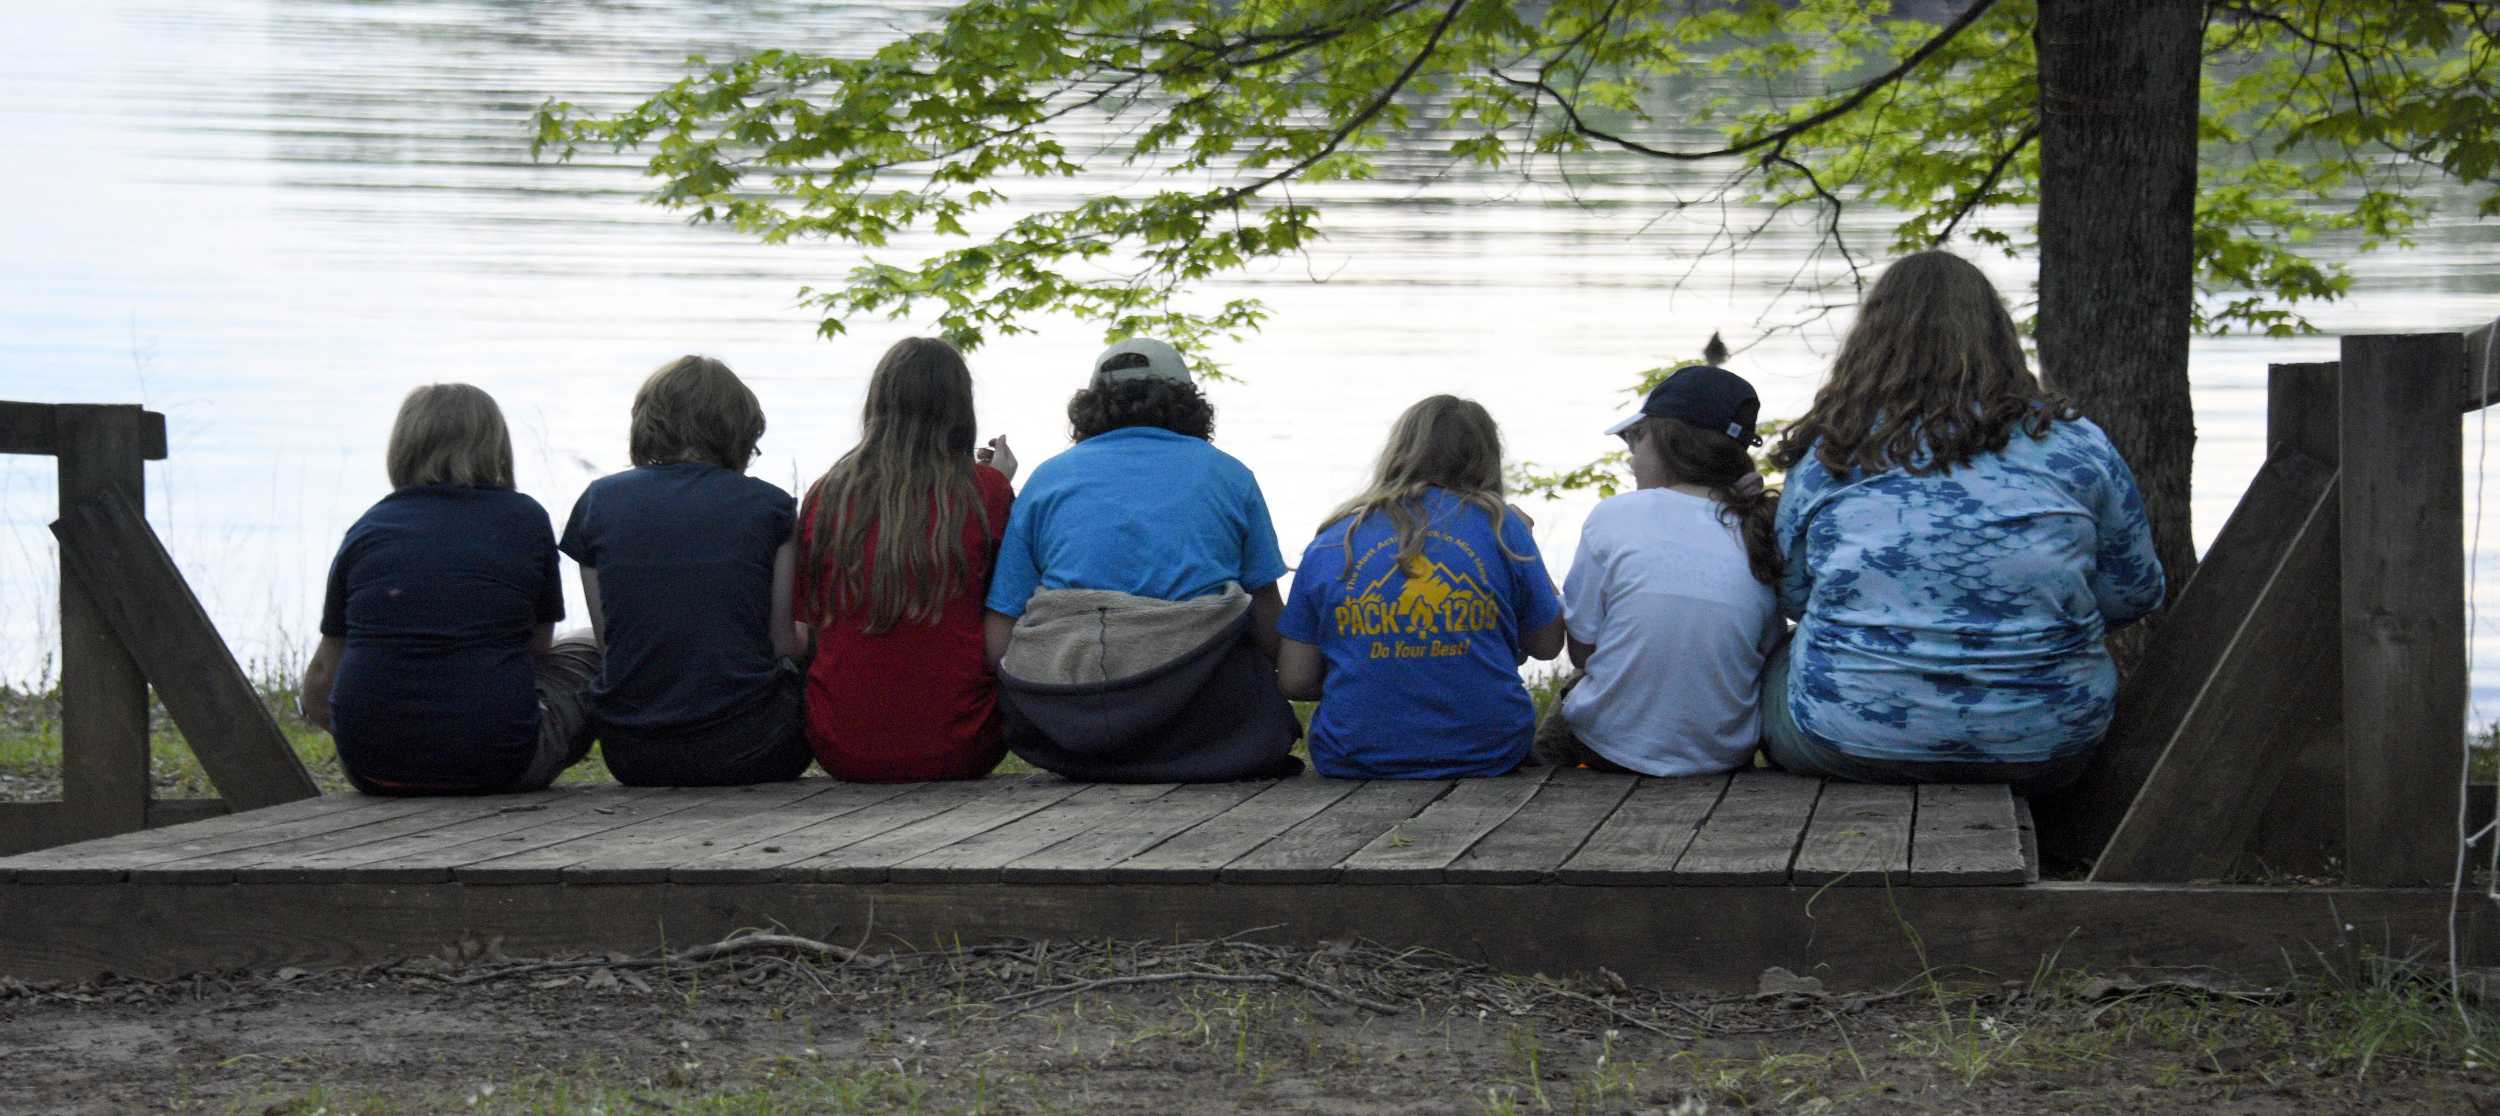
(685, 560)
(436, 590)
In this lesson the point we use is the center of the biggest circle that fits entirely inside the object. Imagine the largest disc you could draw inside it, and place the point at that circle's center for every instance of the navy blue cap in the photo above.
(1704, 396)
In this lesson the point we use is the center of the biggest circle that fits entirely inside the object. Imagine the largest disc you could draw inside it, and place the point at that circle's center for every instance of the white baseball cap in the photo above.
(1145, 359)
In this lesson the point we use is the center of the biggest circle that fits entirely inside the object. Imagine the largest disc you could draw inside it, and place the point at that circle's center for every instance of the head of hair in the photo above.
(1442, 442)
(909, 481)
(1931, 375)
(695, 409)
(1147, 401)
(1712, 460)
(449, 434)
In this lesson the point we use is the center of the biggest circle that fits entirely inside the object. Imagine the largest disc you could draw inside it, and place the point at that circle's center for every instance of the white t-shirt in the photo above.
(1660, 588)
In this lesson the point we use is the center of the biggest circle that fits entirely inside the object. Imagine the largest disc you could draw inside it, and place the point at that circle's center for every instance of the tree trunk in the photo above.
(2118, 102)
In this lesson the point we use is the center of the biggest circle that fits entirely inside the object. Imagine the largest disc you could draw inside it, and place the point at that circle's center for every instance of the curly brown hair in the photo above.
(1169, 404)
(1931, 376)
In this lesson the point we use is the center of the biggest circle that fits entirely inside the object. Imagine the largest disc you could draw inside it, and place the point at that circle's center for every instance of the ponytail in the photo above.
(1719, 463)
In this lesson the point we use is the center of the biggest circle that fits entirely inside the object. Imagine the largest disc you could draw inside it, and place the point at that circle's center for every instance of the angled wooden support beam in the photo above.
(2188, 646)
(2403, 605)
(117, 560)
(2270, 694)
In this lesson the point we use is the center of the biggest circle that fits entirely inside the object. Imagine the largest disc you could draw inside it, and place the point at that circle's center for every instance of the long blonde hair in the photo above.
(1931, 375)
(1442, 442)
(449, 434)
(910, 478)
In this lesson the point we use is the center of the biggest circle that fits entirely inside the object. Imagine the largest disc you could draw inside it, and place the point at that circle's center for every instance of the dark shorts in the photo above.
(1793, 749)
(765, 743)
(563, 674)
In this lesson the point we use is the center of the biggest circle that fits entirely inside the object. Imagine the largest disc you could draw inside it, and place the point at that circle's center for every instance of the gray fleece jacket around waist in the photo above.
(1073, 637)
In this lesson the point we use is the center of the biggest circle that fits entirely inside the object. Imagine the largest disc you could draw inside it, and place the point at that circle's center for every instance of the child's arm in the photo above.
(1299, 670)
(789, 636)
(1546, 642)
(590, 604)
(1266, 604)
(313, 695)
(996, 629)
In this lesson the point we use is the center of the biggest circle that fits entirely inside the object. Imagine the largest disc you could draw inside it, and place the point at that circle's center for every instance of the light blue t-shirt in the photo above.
(1958, 616)
(1423, 661)
(1138, 510)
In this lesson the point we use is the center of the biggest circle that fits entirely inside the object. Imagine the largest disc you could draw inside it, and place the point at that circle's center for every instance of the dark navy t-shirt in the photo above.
(436, 590)
(685, 560)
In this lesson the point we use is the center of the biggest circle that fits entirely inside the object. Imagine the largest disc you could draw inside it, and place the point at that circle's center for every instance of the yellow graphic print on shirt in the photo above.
(1421, 608)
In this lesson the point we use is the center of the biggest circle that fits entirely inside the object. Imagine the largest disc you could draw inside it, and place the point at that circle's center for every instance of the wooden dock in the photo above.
(1703, 881)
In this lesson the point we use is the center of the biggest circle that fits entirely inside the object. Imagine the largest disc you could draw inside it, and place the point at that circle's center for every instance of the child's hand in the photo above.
(996, 455)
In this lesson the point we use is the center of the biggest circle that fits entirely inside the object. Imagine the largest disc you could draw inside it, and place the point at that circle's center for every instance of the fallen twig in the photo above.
(716, 951)
(1061, 993)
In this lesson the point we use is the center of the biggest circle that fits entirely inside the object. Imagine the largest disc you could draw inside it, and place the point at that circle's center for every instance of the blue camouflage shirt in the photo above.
(1958, 616)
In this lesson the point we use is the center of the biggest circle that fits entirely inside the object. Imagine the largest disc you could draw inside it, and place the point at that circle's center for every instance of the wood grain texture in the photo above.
(869, 860)
(982, 856)
(647, 823)
(1311, 851)
(649, 857)
(112, 858)
(396, 859)
(1416, 850)
(1859, 836)
(1752, 836)
(1532, 844)
(1641, 842)
(765, 860)
(1090, 856)
(2404, 654)
(33, 428)
(104, 697)
(1966, 834)
(126, 573)
(1197, 855)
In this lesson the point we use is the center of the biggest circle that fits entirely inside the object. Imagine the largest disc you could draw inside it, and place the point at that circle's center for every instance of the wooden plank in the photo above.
(2302, 829)
(1311, 851)
(1966, 834)
(164, 812)
(130, 844)
(31, 428)
(2482, 366)
(694, 808)
(2181, 655)
(28, 826)
(1641, 842)
(1416, 851)
(2271, 694)
(1752, 836)
(94, 862)
(1199, 854)
(124, 569)
(982, 856)
(1852, 936)
(511, 814)
(2403, 605)
(1860, 836)
(104, 697)
(869, 860)
(1532, 845)
(1089, 856)
(2031, 839)
(422, 815)
(646, 855)
(625, 806)
(765, 860)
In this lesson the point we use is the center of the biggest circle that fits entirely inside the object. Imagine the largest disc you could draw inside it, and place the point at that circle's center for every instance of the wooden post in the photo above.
(104, 698)
(2403, 597)
(2302, 829)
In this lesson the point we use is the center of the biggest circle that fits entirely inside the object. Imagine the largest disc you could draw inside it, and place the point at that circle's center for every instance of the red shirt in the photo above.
(916, 701)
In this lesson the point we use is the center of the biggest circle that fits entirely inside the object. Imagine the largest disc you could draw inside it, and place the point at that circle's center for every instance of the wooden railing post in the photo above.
(2403, 596)
(104, 698)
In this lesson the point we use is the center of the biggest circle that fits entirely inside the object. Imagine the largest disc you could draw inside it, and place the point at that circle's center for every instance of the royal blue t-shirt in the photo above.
(1423, 661)
(436, 590)
(1138, 510)
(685, 560)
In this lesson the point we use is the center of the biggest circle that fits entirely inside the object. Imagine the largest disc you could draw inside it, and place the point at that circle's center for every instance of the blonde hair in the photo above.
(1930, 376)
(1442, 442)
(449, 434)
(910, 480)
(695, 409)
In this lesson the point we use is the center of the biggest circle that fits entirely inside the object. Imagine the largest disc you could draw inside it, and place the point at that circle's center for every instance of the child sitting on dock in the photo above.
(686, 564)
(896, 544)
(1669, 599)
(1132, 617)
(1957, 542)
(1414, 606)
(438, 670)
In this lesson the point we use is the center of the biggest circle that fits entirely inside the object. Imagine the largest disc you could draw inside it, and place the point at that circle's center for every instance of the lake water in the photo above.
(269, 218)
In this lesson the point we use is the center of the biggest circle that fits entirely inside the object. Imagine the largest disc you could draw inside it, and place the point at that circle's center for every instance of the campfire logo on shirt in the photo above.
(1423, 608)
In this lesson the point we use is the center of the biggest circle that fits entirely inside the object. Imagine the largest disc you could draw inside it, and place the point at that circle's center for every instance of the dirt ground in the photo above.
(1101, 1027)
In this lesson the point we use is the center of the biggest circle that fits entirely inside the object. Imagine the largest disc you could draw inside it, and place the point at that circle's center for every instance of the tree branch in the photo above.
(1978, 195)
(1359, 119)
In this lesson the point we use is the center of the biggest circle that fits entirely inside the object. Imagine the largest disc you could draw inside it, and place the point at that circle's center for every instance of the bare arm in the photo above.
(1544, 643)
(996, 629)
(1266, 604)
(790, 638)
(1580, 653)
(590, 604)
(318, 674)
(1300, 670)
(542, 640)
